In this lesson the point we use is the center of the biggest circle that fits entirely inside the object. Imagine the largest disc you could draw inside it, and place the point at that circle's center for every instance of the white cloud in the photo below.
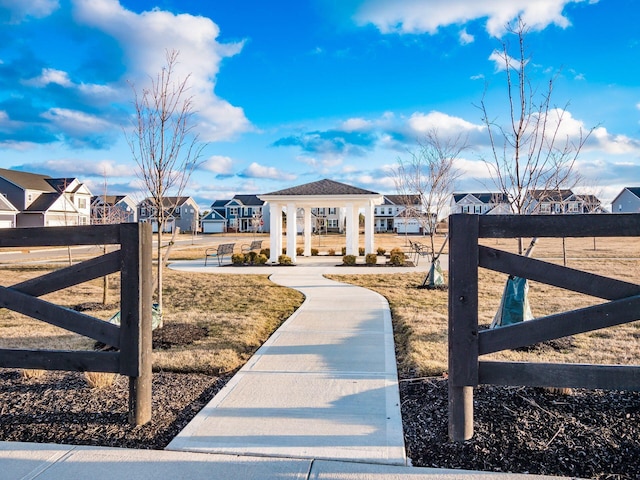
(50, 75)
(146, 37)
(501, 61)
(21, 9)
(418, 16)
(466, 38)
(218, 164)
(355, 124)
(83, 167)
(76, 122)
(255, 170)
(443, 123)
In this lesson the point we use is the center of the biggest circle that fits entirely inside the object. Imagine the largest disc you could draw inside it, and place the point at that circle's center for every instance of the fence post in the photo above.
(135, 318)
(463, 323)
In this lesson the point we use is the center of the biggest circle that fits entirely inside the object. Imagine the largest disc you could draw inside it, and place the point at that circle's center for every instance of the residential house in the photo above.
(180, 212)
(42, 201)
(216, 220)
(113, 209)
(325, 219)
(486, 203)
(627, 201)
(8, 213)
(399, 213)
(563, 201)
(242, 213)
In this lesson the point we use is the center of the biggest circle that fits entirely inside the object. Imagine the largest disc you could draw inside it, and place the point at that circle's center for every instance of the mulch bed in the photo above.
(588, 434)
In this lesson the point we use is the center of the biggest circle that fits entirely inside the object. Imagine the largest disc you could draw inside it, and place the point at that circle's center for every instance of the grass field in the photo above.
(240, 312)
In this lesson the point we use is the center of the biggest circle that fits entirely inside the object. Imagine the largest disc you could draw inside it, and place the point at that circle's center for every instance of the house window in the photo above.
(573, 207)
(321, 211)
(545, 208)
(390, 211)
(332, 211)
(233, 211)
(477, 209)
(82, 203)
(465, 209)
(333, 223)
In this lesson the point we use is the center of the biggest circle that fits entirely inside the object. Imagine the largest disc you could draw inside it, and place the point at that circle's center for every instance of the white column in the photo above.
(275, 236)
(356, 230)
(368, 228)
(307, 231)
(292, 231)
(351, 230)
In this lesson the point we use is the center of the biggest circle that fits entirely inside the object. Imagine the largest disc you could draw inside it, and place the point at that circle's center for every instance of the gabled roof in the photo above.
(169, 202)
(108, 199)
(325, 188)
(249, 200)
(43, 203)
(214, 215)
(551, 195)
(634, 190)
(219, 203)
(483, 197)
(26, 180)
(402, 200)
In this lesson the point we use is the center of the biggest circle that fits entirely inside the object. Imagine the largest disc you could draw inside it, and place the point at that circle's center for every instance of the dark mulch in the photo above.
(588, 434)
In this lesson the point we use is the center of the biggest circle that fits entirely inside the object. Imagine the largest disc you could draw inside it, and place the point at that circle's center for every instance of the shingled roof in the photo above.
(323, 187)
(26, 180)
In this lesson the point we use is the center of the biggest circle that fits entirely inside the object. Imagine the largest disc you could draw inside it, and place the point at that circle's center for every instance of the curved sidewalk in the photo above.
(324, 386)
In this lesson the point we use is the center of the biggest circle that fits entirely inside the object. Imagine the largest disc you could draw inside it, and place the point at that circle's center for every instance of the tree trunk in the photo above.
(159, 272)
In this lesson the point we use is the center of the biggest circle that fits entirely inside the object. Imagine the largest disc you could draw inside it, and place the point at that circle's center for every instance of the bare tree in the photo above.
(164, 145)
(531, 152)
(429, 175)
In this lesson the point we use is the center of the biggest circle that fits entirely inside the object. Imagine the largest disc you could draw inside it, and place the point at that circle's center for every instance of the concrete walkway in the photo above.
(324, 386)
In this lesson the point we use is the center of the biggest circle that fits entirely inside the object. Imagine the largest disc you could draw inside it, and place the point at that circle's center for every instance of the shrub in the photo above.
(371, 259)
(314, 252)
(251, 257)
(397, 257)
(344, 250)
(237, 258)
(266, 252)
(349, 259)
(99, 379)
(361, 251)
(299, 251)
(332, 252)
(381, 251)
(284, 260)
(27, 373)
(261, 259)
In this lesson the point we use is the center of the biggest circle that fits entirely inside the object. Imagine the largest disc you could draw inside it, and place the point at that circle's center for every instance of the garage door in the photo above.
(212, 227)
(6, 224)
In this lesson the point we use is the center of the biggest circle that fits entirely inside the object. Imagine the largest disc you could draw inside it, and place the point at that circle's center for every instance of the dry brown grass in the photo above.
(420, 316)
(99, 379)
(239, 313)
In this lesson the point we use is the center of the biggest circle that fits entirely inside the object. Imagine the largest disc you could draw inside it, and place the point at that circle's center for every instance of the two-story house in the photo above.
(486, 203)
(563, 201)
(242, 213)
(181, 212)
(106, 209)
(42, 201)
(627, 201)
(398, 213)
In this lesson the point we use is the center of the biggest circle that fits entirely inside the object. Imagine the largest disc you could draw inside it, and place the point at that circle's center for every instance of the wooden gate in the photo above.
(132, 338)
(467, 343)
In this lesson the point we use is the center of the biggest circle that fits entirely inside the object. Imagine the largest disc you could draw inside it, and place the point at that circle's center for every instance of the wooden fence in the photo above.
(132, 338)
(467, 343)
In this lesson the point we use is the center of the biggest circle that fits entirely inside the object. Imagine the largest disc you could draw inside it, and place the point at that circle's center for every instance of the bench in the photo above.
(255, 245)
(419, 250)
(218, 252)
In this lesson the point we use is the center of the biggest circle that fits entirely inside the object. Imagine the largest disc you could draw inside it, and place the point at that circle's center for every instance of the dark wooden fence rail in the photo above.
(132, 337)
(467, 343)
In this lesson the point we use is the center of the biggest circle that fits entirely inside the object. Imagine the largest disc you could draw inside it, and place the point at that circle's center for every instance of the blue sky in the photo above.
(290, 91)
